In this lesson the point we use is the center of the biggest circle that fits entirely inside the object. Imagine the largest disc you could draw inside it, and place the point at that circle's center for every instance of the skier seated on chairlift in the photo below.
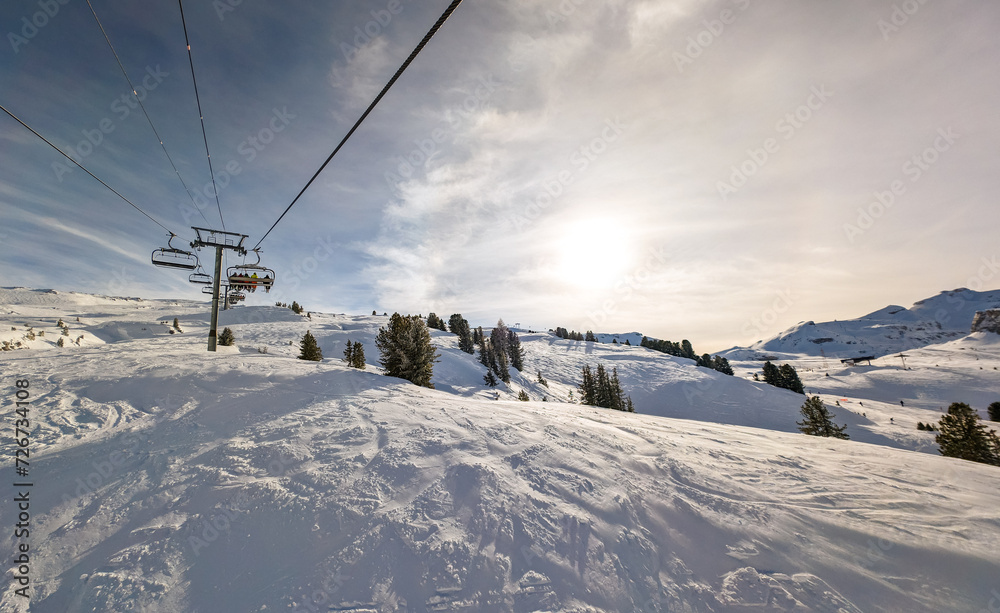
(266, 282)
(253, 282)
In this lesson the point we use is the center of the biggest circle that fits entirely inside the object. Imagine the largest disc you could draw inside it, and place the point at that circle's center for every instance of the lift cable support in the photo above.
(201, 115)
(249, 277)
(81, 167)
(221, 240)
(437, 26)
(135, 93)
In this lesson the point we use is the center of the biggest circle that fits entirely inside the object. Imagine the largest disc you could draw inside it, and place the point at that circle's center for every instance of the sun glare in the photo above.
(595, 252)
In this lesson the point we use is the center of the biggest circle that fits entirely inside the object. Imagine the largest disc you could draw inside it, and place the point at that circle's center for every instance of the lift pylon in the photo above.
(220, 239)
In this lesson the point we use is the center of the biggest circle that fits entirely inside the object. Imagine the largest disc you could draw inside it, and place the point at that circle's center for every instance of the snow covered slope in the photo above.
(170, 479)
(944, 317)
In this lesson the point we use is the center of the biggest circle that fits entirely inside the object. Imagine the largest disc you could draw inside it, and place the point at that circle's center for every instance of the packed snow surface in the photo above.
(167, 478)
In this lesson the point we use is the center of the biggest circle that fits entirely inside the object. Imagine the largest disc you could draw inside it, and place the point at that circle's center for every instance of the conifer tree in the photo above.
(349, 353)
(523, 396)
(358, 356)
(789, 379)
(433, 321)
(490, 379)
(515, 350)
(962, 436)
(590, 337)
(227, 338)
(721, 364)
(310, 348)
(588, 387)
(687, 350)
(460, 326)
(818, 421)
(406, 349)
(771, 374)
(994, 411)
(373, 312)
(542, 380)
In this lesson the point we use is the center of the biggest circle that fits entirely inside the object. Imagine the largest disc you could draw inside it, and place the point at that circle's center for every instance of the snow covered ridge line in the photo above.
(947, 316)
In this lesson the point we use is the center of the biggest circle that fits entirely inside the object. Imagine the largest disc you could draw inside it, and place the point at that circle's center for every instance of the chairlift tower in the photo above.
(220, 239)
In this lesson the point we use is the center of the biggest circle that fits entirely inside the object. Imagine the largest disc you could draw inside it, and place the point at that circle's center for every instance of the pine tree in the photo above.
(500, 344)
(590, 337)
(721, 364)
(460, 326)
(310, 348)
(373, 312)
(406, 349)
(523, 396)
(962, 436)
(177, 324)
(994, 411)
(60, 343)
(588, 387)
(771, 374)
(687, 350)
(433, 321)
(819, 421)
(477, 336)
(358, 356)
(628, 343)
(490, 379)
(515, 350)
(542, 380)
(348, 353)
(227, 338)
(296, 308)
(790, 379)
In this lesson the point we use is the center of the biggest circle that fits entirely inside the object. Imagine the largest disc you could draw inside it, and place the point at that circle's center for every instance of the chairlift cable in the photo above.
(444, 17)
(201, 115)
(18, 120)
(135, 93)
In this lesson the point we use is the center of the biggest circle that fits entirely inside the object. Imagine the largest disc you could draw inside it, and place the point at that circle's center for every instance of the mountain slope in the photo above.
(171, 479)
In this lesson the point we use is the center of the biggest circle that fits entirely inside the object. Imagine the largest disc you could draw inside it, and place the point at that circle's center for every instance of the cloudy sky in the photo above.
(701, 169)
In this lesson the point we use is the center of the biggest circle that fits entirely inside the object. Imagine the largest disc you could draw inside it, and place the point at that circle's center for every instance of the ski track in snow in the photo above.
(169, 479)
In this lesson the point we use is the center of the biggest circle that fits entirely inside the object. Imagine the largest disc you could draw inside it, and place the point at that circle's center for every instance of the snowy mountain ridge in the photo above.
(892, 329)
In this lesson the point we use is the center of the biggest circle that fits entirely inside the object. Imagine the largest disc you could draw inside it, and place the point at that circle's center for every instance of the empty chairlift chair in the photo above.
(200, 277)
(170, 257)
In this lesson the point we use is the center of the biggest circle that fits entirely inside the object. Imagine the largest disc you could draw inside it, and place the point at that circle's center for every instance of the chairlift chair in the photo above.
(171, 257)
(200, 277)
(251, 276)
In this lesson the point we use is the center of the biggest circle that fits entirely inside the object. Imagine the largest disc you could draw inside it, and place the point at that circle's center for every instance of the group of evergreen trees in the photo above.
(785, 377)
(960, 435)
(602, 390)
(575, 336)
(681, 350)
(406, 349)
(684, 349)
(460, 326)
(433, 321)
(499, 352)
(354, 355)
(818, 420)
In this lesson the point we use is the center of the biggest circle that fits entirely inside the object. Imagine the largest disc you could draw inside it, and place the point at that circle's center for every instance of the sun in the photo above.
(595, 251)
